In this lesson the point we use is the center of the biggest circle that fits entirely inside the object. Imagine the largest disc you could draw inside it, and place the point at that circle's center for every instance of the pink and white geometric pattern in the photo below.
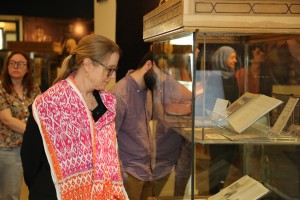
(82, 153)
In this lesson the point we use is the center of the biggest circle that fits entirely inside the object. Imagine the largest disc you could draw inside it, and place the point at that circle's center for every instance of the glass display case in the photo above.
(229, 84)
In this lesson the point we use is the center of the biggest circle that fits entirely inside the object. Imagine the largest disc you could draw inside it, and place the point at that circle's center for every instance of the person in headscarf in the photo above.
(221, 84)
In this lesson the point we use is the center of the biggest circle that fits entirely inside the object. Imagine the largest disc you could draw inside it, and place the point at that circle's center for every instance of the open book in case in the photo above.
(248, 118)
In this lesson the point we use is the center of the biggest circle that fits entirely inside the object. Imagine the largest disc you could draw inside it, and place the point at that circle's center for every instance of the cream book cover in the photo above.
(245, 188)
(248, 109)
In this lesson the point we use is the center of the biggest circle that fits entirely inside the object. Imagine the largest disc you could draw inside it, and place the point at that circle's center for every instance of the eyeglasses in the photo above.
(15, 64)
(110, 70)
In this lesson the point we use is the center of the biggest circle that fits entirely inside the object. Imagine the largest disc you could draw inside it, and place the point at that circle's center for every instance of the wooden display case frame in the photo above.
(179, 17)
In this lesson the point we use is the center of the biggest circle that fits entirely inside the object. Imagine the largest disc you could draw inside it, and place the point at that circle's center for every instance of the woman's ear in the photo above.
(87, 64)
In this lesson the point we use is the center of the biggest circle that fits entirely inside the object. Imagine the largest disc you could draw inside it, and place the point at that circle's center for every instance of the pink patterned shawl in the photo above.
(82, 153)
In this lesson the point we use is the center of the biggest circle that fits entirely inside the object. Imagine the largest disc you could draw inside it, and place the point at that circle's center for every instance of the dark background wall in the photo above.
(129, 32)
(49, 8)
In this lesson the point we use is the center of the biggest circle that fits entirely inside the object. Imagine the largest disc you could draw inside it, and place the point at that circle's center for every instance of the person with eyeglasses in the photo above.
(17, 92)
(69, 149)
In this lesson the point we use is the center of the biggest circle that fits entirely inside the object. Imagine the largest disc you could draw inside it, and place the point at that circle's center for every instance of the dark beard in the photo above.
(150, 79)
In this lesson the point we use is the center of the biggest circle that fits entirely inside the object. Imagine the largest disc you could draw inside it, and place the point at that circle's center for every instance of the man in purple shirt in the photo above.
(147, 157)
(135, 142)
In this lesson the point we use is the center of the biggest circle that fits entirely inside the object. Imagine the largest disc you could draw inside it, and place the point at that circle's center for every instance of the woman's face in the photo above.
(231, 60)
(17, 67)
(101, 74)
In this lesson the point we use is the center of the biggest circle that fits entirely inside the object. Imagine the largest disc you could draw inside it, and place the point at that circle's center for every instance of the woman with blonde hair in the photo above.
(70, 149)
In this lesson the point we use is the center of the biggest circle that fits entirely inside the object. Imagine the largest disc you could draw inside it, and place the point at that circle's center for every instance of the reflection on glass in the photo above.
(172, 108)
